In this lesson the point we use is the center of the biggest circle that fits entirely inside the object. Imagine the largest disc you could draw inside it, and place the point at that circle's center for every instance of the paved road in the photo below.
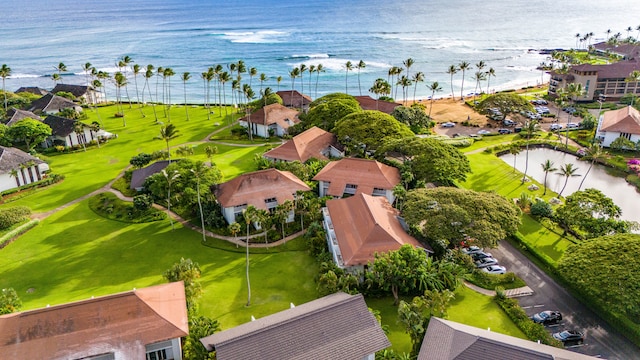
(601, 340)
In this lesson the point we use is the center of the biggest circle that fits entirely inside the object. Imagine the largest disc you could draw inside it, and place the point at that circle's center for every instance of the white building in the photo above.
(271, 120)
(18, 168)
(623, 122)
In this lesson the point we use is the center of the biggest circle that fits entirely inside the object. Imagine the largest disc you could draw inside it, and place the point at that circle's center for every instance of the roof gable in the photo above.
(14, 115)
(51, 102)
(255, 187)
(309, 144)
(337, 326)
(625, 120)
(369, 103)
(75, 90)
(366, 174)
(274, 114)
(96, 326)
(60, 126)
(293, 98)
(12, 158)
(365, 225)
(33, 90)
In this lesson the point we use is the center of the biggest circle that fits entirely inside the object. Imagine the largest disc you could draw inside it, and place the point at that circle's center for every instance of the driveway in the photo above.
(601, 340)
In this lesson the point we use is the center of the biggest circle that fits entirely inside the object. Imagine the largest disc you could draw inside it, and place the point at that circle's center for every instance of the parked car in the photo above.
(517, 129)
(508, 122)
(448, 125)
(504, 131)
(472, 250)
(569, 337)
(572, 126)
(555, 127)
(484, 132)
(480, 255)
(494, 269)
(547, 317)
(488, 261)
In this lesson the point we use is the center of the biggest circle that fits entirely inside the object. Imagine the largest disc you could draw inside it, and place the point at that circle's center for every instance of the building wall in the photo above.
(25, 176)
(609, 137)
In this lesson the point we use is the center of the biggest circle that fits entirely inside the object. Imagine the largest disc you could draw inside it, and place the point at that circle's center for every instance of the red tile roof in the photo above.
(369, 103)
(625, 120)
(294, 98)
(255, 187)
(617, 70)
(112, 323)
(364, 225)
(274, 114)
(367, 174)
(304, 146)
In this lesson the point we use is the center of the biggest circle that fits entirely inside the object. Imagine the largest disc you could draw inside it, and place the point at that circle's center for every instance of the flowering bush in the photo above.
(634, 165)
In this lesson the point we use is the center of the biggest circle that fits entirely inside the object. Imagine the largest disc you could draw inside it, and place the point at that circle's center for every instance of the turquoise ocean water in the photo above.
(275, 36)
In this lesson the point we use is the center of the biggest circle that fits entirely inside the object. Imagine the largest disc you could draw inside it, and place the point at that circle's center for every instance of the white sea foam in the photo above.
(23, 76)
(338, 64)
(255, 37)
(310, 56)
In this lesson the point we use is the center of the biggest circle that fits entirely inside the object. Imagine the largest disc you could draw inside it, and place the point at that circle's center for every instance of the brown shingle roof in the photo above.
(448, 340)
(367, 174)
(12, 158)
(255, 187)
(296, 100)
(337, 326)
(619, 70)
(629, 51)
(75, 90)
(96, 326)
(365, 225)
(369, 103)
(60, 126)
(14, 115)
(274, 114)
(33, 90)
(625, 120)
(51, 102)
(304, 146)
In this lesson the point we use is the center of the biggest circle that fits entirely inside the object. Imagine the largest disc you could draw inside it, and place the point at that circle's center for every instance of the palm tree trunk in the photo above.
(204, 238)
(247, 262)
(545, 182)
(526, 162)
(585, 175)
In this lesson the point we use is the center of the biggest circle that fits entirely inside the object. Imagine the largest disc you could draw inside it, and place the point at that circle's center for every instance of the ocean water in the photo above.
(275, 36)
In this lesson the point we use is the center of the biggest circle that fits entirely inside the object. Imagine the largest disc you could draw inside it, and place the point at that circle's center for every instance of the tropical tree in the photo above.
(278, 81)
(168, 73)
(361, 65)
(249, 94)
(60, 68)
(452, 71)
(514, 150)
(408, 63)
(547, 167)
(78, 128)
(434, 87)
(198, 172)
(188, 272)
(167, 133)
(594, 153)
(634, 77)
(463, 66)
(249, 213)
(302, 68)
(567, 170)
(210, 151)
(5, 72)
(380, 87)
(282, 213)
(478, 77)
(592, 213)
(417, 77)
(120, 81)
(364, 131)
(9, 301)
(319, 69)
(506, 103)
(573, 92)
(185, 77)
(404, 82)
(170, 179)
(490, 73)
(30, 131)
(234, 229)
(347, 67)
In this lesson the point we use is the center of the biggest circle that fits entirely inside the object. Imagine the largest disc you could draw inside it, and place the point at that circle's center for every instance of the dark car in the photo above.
(547, 317)
(480, 255)
(504, 131)
(569, 337)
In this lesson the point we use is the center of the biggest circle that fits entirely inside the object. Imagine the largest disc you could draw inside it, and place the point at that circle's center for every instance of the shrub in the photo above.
(142, 202)
(141, 160)
(541, 209)
(532, 330)
(12, 216)
(6, 238)
(492, 281)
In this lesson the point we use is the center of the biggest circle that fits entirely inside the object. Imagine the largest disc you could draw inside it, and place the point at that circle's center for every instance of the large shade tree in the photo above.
(507, 103)
(327, 110)
(448, 215)
(29, 131)
(366, 130)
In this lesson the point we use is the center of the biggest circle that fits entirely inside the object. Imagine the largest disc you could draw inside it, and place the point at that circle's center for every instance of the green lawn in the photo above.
(75, 254)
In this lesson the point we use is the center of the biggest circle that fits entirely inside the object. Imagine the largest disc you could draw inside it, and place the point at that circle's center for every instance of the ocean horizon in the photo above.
(276, 36)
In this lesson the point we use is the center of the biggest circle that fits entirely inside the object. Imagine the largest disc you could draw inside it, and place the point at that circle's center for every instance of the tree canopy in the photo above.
(368, 129)
(592, 213)
(324, 114)
(413, 116)
(31, 131)
(331, 97)
(189, 272)
(447, 215)
(607, 269)
(507, 103)
(429, 159)
(9, 301)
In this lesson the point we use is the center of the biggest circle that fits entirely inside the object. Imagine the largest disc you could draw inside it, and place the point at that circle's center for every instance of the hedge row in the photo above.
(6, 238)
(12, 216)
(51, 179)
(533, 331)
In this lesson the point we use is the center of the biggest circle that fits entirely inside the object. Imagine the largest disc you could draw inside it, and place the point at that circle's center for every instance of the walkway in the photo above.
(511, 293)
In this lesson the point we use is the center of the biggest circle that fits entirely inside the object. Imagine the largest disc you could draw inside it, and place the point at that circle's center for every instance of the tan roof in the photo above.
(14, 115)
(96, 326)
(255, 187)
(365, 225)
(337, 326)
(304, 146)
(618, 70)
(369, 103)
(294, 98)
(367, 174)
(12, 158)
(625, 120)
(448, 340)
(274, 114)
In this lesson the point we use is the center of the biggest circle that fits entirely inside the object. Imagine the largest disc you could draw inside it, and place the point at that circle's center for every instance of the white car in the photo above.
(488, 261)
(484, 132)
(448, 125)
(494, 269)
(572, 126)
(555, 127)
(472, 250)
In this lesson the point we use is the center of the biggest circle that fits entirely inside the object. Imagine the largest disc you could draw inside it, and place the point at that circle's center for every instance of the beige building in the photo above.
(608, 80)
(312, 143)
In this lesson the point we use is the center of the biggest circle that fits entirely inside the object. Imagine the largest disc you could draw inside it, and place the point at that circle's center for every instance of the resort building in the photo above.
(273, 119)
(294, 99)
(623, 122)
(63, 132)
(337, 326)
(449, 340)
(360, 226)
(84, 94)
(263, 189)
(14, 115)
(369, 103)
(625, 51)
(606, 79)
(32, 90)
(18, 168)
(312, 143)
(351, 176)
(52, 104)
(138, 176)
(140, 324)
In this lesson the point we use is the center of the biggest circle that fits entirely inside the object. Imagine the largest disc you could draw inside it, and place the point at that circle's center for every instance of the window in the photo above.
(586, 87)
(351, 186)
(626, 136)
(270, 200)
(157, 355)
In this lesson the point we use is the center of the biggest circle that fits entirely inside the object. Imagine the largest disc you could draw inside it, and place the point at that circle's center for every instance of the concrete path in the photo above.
(521, 291)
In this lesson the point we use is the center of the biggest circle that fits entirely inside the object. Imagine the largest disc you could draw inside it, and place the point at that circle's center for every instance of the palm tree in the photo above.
(573, 91)
(634, 77)
(5, 72)
(463, 66)
(249, 94)
(283, 210)
(120, 81)
(168, 73)
(478, 77)
(265, 94)
(312, 69)
(210, 151)
(55, 77)
(434, 87)
(60, 68)
(594, 153)
(638, 35)
(396, 71)
(452, 71)
(159, 73)
(185, 77)
(319, 69)
(361, 65)
(629, 30)
(293, 74)
(103, 76)
(567, 170)
(418, 77)
(514, 150)
(278, 81)
(302, 68)
(136, 71)
(407, 64)
(252, 72)
(380, 86)
(224, 78)
(404, 82)
(347, 67)
(234, 229)
(78, 128)
(577, 38)
(530, 128)
(14, 174)
(170, 179)
(167, 133)
(263, 78)
(249, 216)
(95, 127)
(547, 167)
(199, 170)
